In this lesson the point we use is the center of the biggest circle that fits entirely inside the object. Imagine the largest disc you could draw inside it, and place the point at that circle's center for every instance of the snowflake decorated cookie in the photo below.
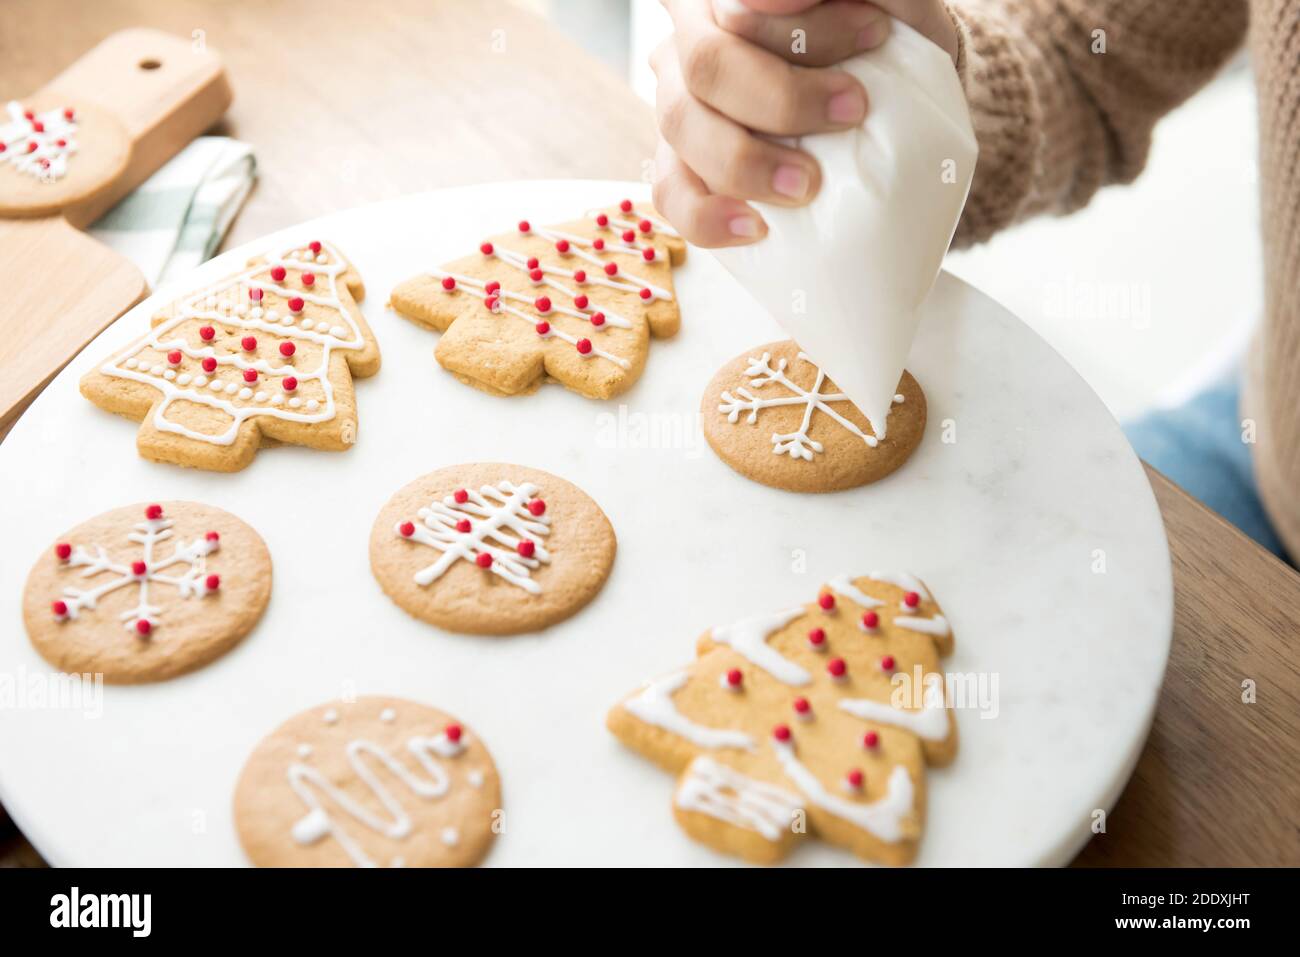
(147, 592)
(264, 357)
(817, 720)
(575, 303)
(775, 417)
(491, 549)
(371, 782)
(56, 154)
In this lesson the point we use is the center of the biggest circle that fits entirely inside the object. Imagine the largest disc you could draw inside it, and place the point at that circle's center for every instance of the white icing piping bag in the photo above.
(845, 275)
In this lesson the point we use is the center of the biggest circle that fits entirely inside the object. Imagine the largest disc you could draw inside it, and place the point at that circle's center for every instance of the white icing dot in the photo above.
(338, 332)
(215, 385)
(271, 316)
(259, 397)
(312, 405)
(475, 778)
(304, 750)
(287, 318)
(306, 324)
(169, 374)
(331, 716)
(184, 378)
(295, 402)
(292, 255)
(156, 369)
(322, 326)
(450, 836)
(245, 393)
(241, 310)
(130, 363)
(256, 312)
(231, 388)
(277, 400)
(322, 259)
(388, 715)
(200, 381)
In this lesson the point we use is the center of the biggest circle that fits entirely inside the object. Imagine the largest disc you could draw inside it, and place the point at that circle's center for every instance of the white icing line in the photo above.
(654, 705)
(748, 638)
(711, 788)
(883, 818)
(930, 722)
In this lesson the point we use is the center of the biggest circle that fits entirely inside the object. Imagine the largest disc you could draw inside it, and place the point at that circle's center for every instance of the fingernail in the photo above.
(790, 180)
(746, 226)
(848, 106)
(872, 35)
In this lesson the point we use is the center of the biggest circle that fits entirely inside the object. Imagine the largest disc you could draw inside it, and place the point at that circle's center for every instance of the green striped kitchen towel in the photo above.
(176, 219)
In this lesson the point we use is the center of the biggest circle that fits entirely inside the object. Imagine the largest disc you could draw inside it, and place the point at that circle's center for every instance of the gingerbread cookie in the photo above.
(264, 357)
(491, 549)
(575, 304)
(144, 593)
(774, 417)
(372, 782)
(817, 719)
(56, 154)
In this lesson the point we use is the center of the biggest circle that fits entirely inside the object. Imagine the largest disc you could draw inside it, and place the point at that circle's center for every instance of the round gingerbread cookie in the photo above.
(147, 592)
(491, 549)
(56, 154)
(371, 782)
(775, 417)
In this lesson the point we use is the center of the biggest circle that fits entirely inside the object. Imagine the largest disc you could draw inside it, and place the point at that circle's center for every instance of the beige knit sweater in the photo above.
(1057, 119)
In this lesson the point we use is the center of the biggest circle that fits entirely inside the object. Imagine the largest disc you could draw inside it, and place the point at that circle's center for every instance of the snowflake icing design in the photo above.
(38, 144)
(192, 580)
(499, 527)
(798, 444)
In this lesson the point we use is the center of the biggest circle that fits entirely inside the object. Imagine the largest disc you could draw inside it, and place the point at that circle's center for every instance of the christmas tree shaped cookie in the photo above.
(264, 357)
(575, 303)
(818, 719)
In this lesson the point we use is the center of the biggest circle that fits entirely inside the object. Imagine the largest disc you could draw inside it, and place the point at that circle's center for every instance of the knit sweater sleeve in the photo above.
(1064, 93)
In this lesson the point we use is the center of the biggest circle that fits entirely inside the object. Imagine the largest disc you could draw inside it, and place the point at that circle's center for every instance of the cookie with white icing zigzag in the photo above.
(817, 720)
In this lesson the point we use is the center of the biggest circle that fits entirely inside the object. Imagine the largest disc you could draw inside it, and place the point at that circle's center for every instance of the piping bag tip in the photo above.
(845, 275)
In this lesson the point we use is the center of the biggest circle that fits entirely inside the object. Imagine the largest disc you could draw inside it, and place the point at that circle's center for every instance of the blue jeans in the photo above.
(1199, 446)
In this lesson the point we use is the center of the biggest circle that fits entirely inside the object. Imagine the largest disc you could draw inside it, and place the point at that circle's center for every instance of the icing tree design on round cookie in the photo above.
(38, 144)
(191, 580)
(797, 444)
(267, 354)
(818, 719)
(575, 303)
(497, 527)
(375, 782)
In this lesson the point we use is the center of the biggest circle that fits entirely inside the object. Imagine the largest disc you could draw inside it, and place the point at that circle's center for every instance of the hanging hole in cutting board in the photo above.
(150, 64)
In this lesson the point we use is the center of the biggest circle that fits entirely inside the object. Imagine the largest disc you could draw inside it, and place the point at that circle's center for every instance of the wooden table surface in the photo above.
(350, 103)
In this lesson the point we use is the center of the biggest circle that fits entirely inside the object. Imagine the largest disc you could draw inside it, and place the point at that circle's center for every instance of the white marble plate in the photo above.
(1034, 525)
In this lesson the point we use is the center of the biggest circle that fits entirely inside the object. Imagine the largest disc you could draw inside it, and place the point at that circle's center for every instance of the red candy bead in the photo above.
(153, 512)
(407, 529)
(213, 582)
(598, 319)
(645, 294)
(209, 364)
(60, 142)
(296, 304)
(492, 287)
(486, 249)
(249, 343)
(543, 304)
(837, 667)
(855, 779)
(626, 205)
(3, 147)
(250, 375)
(309, 279)
(537, 506)
(314, 246)
(801, 706)
(460, 496)
(448, 283)
(870, 740)
(63, 550)
(535, 275)
(69, 113)
(781, 732)
(277, 273)
(206, 333)
(139, 568)
(174, 357)
(464, 525)
(562, 246)
(734, 677)
(542, 328)
(580, 301)
(255, 294)
(29, 114)
(911, 599)
(533, 262)
(584, 346)
(38, 126)
(870, 620)
(287, 349)
(602, 220)
(648, 254)
(213, 537)
(290, 383)
(524, 226)
(611, 269)
(644, 225)
(629, 236)
(817, 637)
(826, 600)
(452, 731)
(143, 626)
(31, 147)
(887, 663)
(60, 608)
(526, 547)
(598, 244)
(484, 560)
(580, 276)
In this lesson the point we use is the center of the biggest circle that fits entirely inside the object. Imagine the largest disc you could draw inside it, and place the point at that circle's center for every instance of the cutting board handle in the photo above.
(164, 90)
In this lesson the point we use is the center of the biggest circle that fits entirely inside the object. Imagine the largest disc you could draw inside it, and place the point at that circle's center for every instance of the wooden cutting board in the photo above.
(99, 129)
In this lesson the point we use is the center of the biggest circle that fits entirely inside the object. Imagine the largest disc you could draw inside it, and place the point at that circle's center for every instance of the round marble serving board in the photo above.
(1024, 509)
